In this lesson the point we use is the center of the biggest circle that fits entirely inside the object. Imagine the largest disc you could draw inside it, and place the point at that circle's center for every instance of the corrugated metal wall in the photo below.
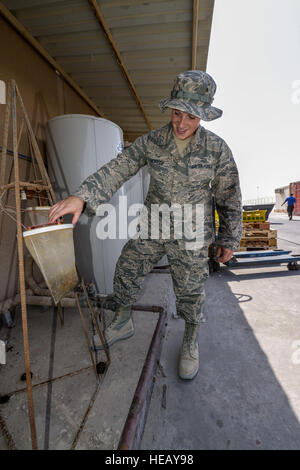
(295, 189)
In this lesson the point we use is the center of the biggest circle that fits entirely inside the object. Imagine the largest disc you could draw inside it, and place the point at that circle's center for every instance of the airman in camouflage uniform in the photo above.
(179, 174)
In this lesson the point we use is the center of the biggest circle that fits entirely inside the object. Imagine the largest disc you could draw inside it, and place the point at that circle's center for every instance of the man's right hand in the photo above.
(71, 205)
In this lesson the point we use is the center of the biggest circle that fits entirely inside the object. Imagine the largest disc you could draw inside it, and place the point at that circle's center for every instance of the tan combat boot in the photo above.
(121, 327)
(189, 356)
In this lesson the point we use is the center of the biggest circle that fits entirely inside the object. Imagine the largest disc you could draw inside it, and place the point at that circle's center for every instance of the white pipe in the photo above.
(48, 301)
(31, 299)
(12, 301)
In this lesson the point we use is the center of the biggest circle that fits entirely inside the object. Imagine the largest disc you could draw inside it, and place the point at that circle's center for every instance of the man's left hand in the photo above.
(224, 254)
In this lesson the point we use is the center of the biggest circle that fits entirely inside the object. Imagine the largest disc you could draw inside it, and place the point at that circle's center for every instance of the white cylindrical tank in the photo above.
(77, 146)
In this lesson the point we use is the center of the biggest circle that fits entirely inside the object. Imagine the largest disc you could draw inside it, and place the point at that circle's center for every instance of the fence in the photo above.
(261, 200)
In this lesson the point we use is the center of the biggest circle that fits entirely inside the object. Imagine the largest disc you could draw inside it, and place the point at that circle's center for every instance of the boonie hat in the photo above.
(193, 92)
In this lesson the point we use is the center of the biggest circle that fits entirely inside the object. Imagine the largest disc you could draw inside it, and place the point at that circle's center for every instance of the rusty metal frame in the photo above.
(14, 95)
(134, 426)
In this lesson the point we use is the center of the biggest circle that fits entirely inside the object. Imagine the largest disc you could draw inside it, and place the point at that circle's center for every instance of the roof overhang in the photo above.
(121, 56)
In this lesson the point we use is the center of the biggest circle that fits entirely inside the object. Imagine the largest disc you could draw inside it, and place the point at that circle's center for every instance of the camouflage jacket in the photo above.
(205, 170)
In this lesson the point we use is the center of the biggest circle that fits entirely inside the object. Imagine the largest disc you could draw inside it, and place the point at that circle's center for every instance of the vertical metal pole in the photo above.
(86, 336)
(60, 314)
(21, 271)
(195, 34)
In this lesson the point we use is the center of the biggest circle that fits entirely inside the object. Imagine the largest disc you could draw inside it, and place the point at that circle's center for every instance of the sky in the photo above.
(254, 57)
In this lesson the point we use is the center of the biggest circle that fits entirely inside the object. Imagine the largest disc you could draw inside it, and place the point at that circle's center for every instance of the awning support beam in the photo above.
(195, 34)
(102, 22)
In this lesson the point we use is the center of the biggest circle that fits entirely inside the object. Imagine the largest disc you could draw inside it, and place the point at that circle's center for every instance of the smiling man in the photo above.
(184, 124)
(188, 165)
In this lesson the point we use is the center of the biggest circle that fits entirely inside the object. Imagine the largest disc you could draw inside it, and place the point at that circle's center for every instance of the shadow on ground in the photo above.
(241, 397)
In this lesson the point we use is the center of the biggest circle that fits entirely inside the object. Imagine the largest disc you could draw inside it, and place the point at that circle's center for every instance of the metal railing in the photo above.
(261, 200)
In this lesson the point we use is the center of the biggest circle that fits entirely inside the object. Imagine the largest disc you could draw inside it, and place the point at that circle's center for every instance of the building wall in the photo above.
(45, 95)
(295, 189)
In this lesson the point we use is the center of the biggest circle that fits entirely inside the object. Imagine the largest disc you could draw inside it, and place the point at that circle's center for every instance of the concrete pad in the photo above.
(56, 351)
(246, 394)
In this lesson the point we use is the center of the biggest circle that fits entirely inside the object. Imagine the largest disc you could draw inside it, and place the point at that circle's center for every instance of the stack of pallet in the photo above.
(258, 236)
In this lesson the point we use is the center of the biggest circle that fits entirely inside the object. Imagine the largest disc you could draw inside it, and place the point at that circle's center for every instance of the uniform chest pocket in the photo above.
(158, 167)
(200, 174)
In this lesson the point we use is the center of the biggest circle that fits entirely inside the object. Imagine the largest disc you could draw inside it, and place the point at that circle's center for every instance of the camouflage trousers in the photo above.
(189, 271)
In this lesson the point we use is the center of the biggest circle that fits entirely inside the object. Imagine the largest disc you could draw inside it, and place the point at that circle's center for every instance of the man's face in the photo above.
(184, 124)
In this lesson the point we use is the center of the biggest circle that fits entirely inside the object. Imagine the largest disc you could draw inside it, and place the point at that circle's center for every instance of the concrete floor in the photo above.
(245, 396)
(57, 351)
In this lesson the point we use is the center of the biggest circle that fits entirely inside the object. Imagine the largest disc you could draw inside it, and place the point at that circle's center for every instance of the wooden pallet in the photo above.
(256, 225)
(256, 248)
(259, 234)
(259, 244)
